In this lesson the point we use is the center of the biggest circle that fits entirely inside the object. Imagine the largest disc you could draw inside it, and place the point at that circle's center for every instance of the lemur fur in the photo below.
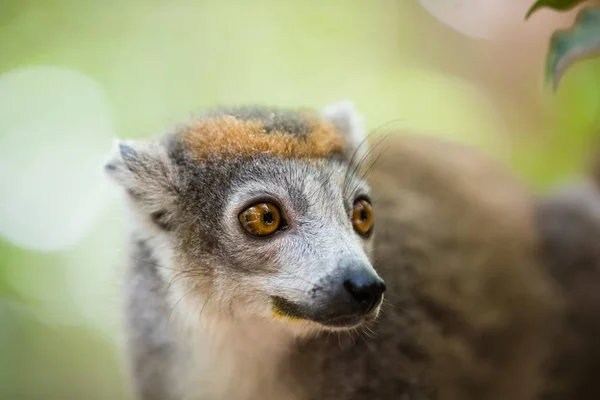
(490, 293)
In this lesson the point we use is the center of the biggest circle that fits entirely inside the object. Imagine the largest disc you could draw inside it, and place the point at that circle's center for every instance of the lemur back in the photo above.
(264, 266)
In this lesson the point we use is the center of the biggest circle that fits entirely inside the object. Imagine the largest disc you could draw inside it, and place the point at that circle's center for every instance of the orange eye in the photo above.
(261, 219)
(362, 217)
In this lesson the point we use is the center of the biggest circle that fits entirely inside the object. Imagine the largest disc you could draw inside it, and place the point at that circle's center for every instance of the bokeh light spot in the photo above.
(55, 131)
(494, 19)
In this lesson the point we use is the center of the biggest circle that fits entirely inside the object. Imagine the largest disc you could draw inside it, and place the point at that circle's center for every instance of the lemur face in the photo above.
(263, 214)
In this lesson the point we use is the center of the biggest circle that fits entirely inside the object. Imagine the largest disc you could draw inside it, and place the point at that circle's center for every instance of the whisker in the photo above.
(365, 157)
(374, 162)
(204, 305)
(176, 303)
(152, 264)
(352, 338)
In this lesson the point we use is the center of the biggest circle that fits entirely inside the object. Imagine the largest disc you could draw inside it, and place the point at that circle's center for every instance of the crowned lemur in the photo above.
(275, 256)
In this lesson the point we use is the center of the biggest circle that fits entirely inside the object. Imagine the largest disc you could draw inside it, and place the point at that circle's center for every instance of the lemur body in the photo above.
(255, 267)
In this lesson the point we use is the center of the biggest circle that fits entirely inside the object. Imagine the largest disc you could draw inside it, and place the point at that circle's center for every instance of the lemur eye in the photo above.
(362, 217)
(261, 219)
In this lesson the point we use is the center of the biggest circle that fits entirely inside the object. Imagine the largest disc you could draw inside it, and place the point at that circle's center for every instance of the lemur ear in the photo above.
(346, 118)
(148, 176)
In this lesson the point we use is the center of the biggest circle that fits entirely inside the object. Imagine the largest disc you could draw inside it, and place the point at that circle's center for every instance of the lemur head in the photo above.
(260, 213)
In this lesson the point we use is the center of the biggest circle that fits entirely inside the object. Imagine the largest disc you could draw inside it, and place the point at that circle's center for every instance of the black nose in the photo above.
(366, 288)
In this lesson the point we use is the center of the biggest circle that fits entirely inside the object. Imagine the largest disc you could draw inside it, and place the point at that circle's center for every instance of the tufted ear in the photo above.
(146, 173)
(346, 118)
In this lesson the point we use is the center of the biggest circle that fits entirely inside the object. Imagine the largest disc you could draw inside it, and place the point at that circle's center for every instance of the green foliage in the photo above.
(569, 46)
(561, 5)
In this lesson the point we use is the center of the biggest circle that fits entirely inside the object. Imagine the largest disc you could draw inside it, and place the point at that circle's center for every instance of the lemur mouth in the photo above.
(283, 308)
(344, 321)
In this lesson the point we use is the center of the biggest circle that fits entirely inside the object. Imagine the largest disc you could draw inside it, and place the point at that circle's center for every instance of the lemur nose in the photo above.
(366, 288)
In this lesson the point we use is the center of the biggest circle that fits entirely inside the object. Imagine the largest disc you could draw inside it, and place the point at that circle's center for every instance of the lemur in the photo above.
(275, 255)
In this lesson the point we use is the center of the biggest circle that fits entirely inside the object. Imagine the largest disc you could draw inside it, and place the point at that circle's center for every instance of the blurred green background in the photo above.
(74, 74)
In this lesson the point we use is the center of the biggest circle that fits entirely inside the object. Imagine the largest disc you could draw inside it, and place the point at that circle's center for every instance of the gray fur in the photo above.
(570, 224)
(273, 119)
(470, 312)
(152, 349)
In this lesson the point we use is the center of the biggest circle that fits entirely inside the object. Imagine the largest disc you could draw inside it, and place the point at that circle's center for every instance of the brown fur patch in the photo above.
(227, 136)
(476, 302)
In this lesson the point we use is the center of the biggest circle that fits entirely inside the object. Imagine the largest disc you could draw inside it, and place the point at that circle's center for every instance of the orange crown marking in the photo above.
(228, 136)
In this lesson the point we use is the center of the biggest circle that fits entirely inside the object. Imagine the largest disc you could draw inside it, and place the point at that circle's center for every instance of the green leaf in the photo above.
(561, 5)
(570, 46)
